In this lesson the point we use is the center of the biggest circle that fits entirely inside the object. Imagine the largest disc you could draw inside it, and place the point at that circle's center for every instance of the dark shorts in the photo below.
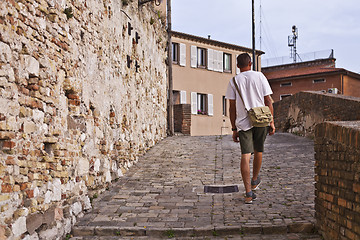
(253, 139)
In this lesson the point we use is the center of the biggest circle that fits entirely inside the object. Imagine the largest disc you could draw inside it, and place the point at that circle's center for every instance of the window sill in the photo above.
(202, 115)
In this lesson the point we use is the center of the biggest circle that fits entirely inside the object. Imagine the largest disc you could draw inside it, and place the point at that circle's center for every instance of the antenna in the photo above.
(260, 25)
(292, 43)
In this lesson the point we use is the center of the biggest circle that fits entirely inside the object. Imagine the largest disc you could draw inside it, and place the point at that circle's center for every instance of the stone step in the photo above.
(115, 231)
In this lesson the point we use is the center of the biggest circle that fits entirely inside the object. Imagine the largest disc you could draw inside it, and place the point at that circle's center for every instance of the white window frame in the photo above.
(210, 59)
(175, 53)
(237, 69)
(193, 102)
(210, 102)
(230, 67)
(182, 60)
(319, 80)
(224, 106)
(182, 97)
(286, 84)
(193, 53)
(282, 96)
(201, 57)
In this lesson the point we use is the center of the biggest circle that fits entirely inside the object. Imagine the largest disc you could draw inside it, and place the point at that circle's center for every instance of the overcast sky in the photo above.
(322, 25)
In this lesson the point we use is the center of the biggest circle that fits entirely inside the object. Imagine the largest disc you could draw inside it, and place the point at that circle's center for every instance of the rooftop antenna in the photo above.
(260, 25)
(292, 43)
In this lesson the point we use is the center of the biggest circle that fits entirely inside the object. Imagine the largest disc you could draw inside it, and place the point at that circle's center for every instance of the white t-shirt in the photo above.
(253, 87)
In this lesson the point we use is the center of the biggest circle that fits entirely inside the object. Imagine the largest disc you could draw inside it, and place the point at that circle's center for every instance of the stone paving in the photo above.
(163, 195)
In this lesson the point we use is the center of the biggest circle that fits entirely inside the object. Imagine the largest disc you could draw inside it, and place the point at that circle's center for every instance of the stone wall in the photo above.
(82, 94)
(301, 112)
(337, 201)
(182, 118)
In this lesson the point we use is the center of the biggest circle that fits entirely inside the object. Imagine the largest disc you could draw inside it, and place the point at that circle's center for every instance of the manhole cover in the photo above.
(221, 189)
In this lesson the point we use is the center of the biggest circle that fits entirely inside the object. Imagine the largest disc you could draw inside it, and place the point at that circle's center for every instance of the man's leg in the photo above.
(257, 164)
(245, 171)
(247, 148)
(259, 136)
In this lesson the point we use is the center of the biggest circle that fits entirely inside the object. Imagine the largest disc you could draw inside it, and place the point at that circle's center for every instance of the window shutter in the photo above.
(182, 54)
(193, 103)
(193, 56)
(221, 61)
(237, 69)
(210, 59)
(182, 97)
(215, 65)
(210, 105)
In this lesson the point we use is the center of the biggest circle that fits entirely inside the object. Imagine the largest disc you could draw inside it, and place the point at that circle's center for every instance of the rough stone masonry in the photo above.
(82, 94)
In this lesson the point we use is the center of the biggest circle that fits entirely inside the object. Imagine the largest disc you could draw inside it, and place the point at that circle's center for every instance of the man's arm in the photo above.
(232, 110)
(269, 102)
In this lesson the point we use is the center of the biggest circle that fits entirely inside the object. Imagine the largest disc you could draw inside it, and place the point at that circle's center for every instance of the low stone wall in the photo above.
(337, 202)
(182, 118)
(82, 95)
(301, 112)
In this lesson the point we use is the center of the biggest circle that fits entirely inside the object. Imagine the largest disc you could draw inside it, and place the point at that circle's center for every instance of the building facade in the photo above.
(202, 68)
(318, 75)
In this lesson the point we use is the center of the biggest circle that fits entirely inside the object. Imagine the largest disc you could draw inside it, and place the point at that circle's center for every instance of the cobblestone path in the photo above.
(162, 196)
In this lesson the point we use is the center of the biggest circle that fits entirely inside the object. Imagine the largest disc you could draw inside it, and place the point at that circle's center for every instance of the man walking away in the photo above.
(255, 91)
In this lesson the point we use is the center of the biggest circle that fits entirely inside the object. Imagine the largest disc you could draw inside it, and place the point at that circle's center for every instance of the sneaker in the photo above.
(250, 197)
(255, 183)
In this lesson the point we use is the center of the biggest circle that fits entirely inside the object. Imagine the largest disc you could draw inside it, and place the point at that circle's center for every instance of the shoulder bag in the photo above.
(259, 116)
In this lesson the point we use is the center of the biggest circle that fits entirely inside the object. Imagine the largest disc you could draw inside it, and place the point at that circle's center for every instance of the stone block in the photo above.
(29, 127)
(6, 135)
(301, 228)
(3, 233)
(6, 188)
(49, 233)
(33, 222)
(19, 226)
(5, 53)
(76, 208)
(83, 231)
(32, 66)
(252, 229)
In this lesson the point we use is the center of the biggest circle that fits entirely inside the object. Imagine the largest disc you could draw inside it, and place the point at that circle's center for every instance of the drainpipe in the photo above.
(170, 100)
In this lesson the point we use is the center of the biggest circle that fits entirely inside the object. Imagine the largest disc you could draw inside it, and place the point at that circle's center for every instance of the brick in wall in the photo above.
(337, 205)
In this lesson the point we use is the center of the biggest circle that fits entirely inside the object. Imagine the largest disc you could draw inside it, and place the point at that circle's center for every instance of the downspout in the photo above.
(170, 100)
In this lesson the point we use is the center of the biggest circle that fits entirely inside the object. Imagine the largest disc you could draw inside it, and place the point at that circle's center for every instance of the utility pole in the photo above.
(170, 94)
(253, 35)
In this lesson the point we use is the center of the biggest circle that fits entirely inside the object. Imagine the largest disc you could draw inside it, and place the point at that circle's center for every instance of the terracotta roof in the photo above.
(213, 42)
(297, 72)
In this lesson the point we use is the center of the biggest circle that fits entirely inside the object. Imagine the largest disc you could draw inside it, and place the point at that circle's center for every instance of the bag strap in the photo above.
(238, 90)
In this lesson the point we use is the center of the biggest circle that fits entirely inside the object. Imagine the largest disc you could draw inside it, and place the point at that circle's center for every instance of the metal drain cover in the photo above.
(221, 189)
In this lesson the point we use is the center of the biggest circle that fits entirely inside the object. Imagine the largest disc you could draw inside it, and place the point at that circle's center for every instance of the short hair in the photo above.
(243, 60)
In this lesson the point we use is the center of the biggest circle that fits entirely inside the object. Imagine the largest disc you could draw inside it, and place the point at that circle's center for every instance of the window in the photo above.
(179, 97)
(175, 52)
(227, 62)
(321, 80)
(224, 105)
(176, 97)
(288, 84)
(285, 96)
(202, 104)
(201, 57)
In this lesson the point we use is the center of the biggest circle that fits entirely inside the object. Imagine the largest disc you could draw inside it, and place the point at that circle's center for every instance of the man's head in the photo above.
(244, 61)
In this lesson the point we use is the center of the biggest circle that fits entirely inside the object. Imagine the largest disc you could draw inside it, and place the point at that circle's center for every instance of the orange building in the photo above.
(318, 75)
